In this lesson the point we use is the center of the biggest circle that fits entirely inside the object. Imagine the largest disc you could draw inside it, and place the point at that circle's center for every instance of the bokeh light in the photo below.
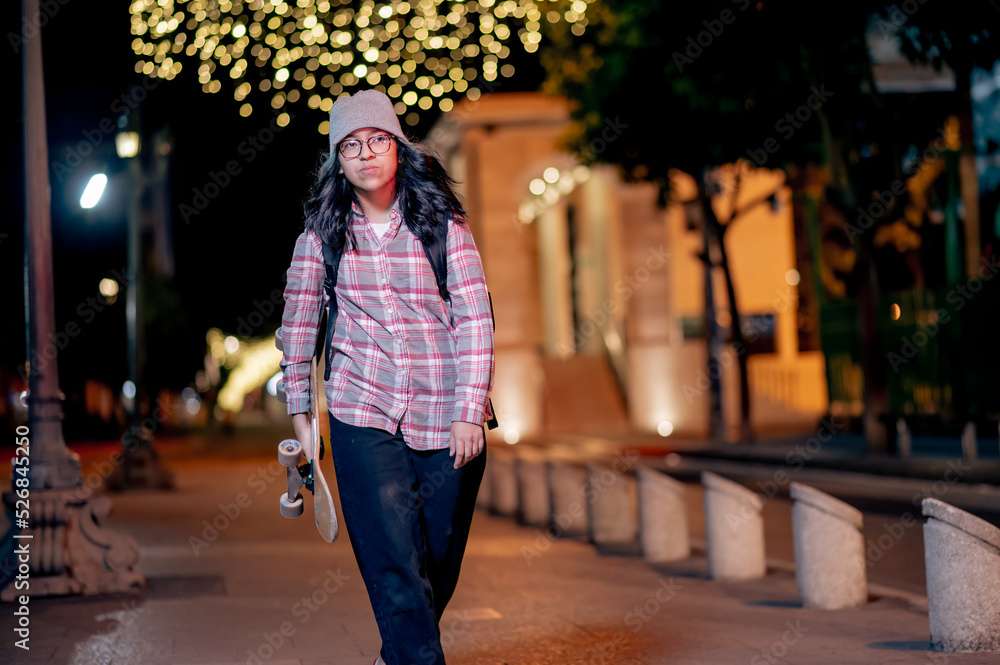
(422, 54)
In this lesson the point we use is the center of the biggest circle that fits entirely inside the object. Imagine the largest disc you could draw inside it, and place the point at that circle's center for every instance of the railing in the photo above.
(613, 338)
(939, 347)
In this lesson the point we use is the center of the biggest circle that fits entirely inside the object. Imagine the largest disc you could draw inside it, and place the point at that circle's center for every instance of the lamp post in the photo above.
(140, 467)
(65, 549)
(128, 143)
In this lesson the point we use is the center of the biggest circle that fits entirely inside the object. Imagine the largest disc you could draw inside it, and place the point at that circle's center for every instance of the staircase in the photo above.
(581, 394)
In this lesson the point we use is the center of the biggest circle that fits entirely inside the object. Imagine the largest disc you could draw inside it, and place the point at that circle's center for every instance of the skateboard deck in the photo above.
(303, 471)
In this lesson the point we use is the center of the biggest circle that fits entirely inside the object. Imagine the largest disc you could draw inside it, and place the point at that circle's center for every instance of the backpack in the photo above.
(437, 254)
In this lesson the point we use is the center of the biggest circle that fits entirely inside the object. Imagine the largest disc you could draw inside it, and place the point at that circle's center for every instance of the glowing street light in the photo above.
(127, 143)
(93, 191)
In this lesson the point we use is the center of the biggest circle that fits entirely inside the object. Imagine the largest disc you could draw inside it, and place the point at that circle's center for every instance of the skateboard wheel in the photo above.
(290, 509)
(278, 341)
(289, 452)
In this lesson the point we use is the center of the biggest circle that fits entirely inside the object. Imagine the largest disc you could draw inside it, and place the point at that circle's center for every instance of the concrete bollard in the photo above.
(962, 554)
(970, 448)
(734, 530)
(568, 496)
(904, 440)
(533, 487)
(830, 566)
(612, 514)
(503, 482)
(663, 526)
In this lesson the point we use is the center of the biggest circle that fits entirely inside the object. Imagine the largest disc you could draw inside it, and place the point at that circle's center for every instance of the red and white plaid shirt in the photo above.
(400, 358)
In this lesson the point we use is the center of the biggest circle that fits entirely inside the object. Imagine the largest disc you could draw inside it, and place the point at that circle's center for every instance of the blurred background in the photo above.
(718, 221)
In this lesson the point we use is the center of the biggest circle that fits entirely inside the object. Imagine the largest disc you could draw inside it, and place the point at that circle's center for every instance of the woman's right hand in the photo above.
(302, 425)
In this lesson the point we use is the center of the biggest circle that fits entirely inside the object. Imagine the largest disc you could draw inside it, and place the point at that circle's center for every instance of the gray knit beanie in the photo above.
(368, 108)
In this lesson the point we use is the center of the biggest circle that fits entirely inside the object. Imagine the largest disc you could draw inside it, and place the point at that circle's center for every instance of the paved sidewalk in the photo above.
(259, 588)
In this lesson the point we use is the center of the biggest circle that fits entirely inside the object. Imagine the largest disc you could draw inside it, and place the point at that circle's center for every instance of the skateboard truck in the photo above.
(299, 473)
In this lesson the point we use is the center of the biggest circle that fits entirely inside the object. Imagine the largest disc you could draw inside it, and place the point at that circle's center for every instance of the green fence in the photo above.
(940, 348)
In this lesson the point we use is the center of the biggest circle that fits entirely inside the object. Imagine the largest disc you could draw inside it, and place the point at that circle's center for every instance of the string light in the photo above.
(422, 53)
(549, 189)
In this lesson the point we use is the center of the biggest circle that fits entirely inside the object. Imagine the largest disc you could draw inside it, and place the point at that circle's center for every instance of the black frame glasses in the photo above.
(351, 148)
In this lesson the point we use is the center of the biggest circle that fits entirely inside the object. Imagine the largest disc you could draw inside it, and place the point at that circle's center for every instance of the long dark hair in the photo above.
(425, 191)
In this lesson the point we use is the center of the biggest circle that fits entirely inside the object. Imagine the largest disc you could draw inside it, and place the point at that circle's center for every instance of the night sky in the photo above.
(228, 257)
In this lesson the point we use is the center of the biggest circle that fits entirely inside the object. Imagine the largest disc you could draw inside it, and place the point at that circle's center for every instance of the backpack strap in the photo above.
(331, 260)
(437, 255)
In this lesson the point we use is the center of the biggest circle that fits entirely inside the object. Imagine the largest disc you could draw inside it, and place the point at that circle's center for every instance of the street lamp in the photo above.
(141, 465)
(93, 191)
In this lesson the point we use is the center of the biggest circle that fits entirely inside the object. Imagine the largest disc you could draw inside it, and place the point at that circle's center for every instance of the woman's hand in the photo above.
(302, 424)
(467, 441)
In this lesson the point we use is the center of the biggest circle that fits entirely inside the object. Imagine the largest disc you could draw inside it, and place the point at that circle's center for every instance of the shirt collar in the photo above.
(395, 215)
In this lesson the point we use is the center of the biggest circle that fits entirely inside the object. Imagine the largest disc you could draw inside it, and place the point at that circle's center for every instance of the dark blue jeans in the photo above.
(408, 514)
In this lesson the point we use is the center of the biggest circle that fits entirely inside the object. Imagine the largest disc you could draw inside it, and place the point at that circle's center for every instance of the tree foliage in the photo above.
(711, 82)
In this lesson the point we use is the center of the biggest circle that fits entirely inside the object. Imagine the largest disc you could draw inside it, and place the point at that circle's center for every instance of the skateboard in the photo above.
(305, 472)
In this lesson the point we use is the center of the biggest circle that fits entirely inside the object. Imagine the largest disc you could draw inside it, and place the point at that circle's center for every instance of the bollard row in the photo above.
(615, 507)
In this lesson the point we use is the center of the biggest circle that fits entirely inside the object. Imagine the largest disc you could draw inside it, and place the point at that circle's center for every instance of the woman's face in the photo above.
(369, 171)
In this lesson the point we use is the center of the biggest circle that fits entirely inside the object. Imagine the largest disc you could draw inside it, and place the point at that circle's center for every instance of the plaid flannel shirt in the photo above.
(400, 356)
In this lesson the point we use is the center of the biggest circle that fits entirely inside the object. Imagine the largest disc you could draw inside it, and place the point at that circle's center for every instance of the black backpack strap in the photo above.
(437, 255)
(331, 260)
(492, 422)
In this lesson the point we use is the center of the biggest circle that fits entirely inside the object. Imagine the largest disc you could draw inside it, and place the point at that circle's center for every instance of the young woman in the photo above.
(410, 373)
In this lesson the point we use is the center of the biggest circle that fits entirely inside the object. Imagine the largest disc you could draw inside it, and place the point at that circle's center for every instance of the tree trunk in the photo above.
(715, 230)
(876, 394)
(716, 423)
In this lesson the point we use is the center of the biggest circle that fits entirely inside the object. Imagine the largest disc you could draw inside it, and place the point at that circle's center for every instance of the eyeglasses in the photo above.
(379, 145)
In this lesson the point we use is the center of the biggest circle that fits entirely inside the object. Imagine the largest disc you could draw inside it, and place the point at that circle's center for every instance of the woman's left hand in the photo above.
(467, 441)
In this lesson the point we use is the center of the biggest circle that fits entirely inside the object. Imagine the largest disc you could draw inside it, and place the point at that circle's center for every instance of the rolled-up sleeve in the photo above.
(304, 304)
(473, 326)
